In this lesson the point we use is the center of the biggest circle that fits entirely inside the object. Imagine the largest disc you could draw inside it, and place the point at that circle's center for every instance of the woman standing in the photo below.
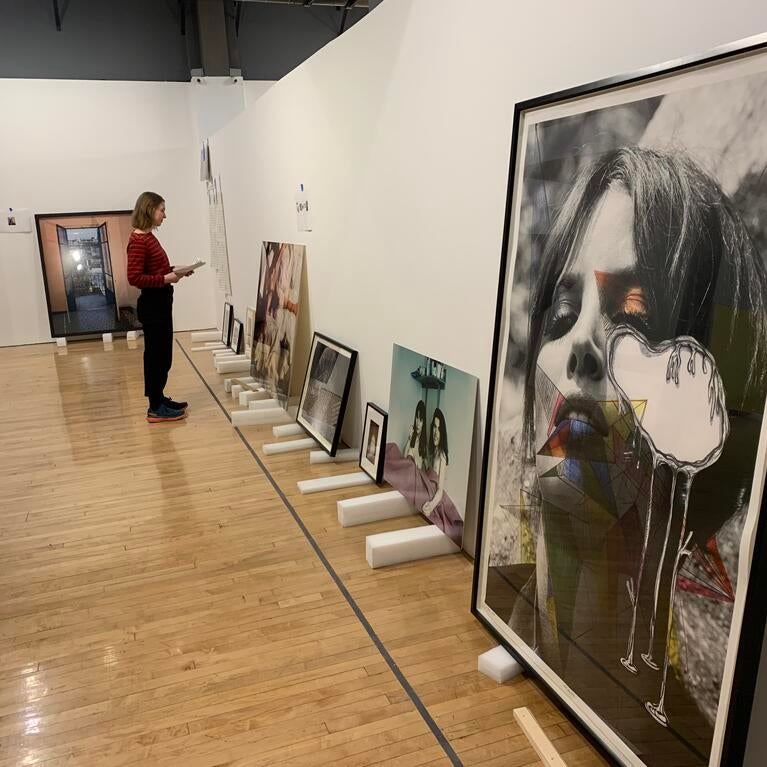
(150, 270)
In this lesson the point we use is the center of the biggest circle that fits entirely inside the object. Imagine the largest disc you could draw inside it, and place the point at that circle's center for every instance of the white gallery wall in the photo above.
(68, 146)
(400, 131)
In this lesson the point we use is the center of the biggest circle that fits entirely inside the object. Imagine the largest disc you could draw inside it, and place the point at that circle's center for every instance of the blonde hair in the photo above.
(144, 209)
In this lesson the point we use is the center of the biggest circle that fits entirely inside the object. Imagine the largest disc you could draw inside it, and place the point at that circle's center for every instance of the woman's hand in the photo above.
(171, 277)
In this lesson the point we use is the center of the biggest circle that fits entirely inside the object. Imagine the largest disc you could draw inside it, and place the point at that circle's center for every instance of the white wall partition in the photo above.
(69, 146)
(400, 130)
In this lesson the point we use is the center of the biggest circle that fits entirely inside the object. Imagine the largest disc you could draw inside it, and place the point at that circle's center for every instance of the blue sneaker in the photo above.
(164, 413)
(171, 403)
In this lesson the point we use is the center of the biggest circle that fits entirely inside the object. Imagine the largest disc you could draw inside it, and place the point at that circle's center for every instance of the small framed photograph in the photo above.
(15, 220)
(250, 328)
(326, 391)
(226, 324)
(372, 451)
(236, 344)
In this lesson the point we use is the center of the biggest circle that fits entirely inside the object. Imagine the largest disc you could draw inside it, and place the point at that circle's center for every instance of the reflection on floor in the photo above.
(93, 316)
(94, 301)
(161, 606)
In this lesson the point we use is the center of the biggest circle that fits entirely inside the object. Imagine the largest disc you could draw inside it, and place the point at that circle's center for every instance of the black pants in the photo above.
(155, 313)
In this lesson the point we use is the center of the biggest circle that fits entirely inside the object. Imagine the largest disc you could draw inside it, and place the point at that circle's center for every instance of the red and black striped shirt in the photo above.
(147, 261)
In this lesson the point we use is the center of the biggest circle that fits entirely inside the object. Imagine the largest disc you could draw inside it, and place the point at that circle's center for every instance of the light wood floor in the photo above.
(161, 606)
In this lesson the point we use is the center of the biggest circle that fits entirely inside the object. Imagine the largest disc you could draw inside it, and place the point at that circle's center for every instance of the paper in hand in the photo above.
(188, 269)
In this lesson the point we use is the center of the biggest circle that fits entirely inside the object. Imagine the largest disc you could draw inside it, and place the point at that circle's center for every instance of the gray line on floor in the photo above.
(412, 694)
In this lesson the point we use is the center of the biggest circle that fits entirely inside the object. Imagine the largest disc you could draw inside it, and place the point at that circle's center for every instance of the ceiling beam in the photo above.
(57, 15)
(344, 13)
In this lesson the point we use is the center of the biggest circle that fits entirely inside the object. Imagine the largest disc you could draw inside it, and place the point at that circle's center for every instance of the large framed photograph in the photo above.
(84, 262)
(621, 535)
(236, 342)
(326, 391)
(373, 448)
(429, 440)
(227, 324)
(276, 321)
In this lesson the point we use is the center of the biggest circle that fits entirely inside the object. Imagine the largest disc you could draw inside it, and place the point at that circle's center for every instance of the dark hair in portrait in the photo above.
(420, 412)
(272, 297)
(438, 419)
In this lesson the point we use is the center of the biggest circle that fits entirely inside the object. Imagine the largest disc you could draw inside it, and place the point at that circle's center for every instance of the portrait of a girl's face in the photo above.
(572, 353)
(630, 390)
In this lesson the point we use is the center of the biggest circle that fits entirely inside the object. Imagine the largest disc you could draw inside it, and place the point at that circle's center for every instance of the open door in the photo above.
(106, 261)
(67, 267)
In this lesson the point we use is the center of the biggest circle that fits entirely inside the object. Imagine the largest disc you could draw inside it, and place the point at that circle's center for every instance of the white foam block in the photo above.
(232, 365)
(208, 349)
(498, 665)
(342, 456)
(61, 342)
(225, 352)
(408, 545)
(131, 335)
(263, 404)
(106, 338)
(236, 389)
(288, 430)
(294, 445)
(373, 508)
(307, 486)
(248, 396)
(259, 417)
(215, 344)
(199, 336)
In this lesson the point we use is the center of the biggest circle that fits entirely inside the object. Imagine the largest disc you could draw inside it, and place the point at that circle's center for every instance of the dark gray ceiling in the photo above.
(157, 39)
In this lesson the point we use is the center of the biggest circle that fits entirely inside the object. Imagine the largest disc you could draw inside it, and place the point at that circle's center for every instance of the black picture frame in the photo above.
(39, 218)
(237, 337)
(752, 630)
(227, 324)
(329, 445)
(378, 474)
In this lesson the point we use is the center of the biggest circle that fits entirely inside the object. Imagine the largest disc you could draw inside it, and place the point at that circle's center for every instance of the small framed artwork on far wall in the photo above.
(373, 440)
(236, 341)
(226, 324)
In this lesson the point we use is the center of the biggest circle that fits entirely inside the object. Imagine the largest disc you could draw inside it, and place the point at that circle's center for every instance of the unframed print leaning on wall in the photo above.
(276, 321)
(622, 490)
(429, 437)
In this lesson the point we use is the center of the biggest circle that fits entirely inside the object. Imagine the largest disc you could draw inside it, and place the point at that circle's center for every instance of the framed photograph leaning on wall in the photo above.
(621, 523)
(326, 391)
(236, 342)
(226, 323)
(373, 448)
(84, 263)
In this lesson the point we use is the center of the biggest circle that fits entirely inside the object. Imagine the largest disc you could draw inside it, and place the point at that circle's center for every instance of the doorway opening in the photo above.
(88, 280)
